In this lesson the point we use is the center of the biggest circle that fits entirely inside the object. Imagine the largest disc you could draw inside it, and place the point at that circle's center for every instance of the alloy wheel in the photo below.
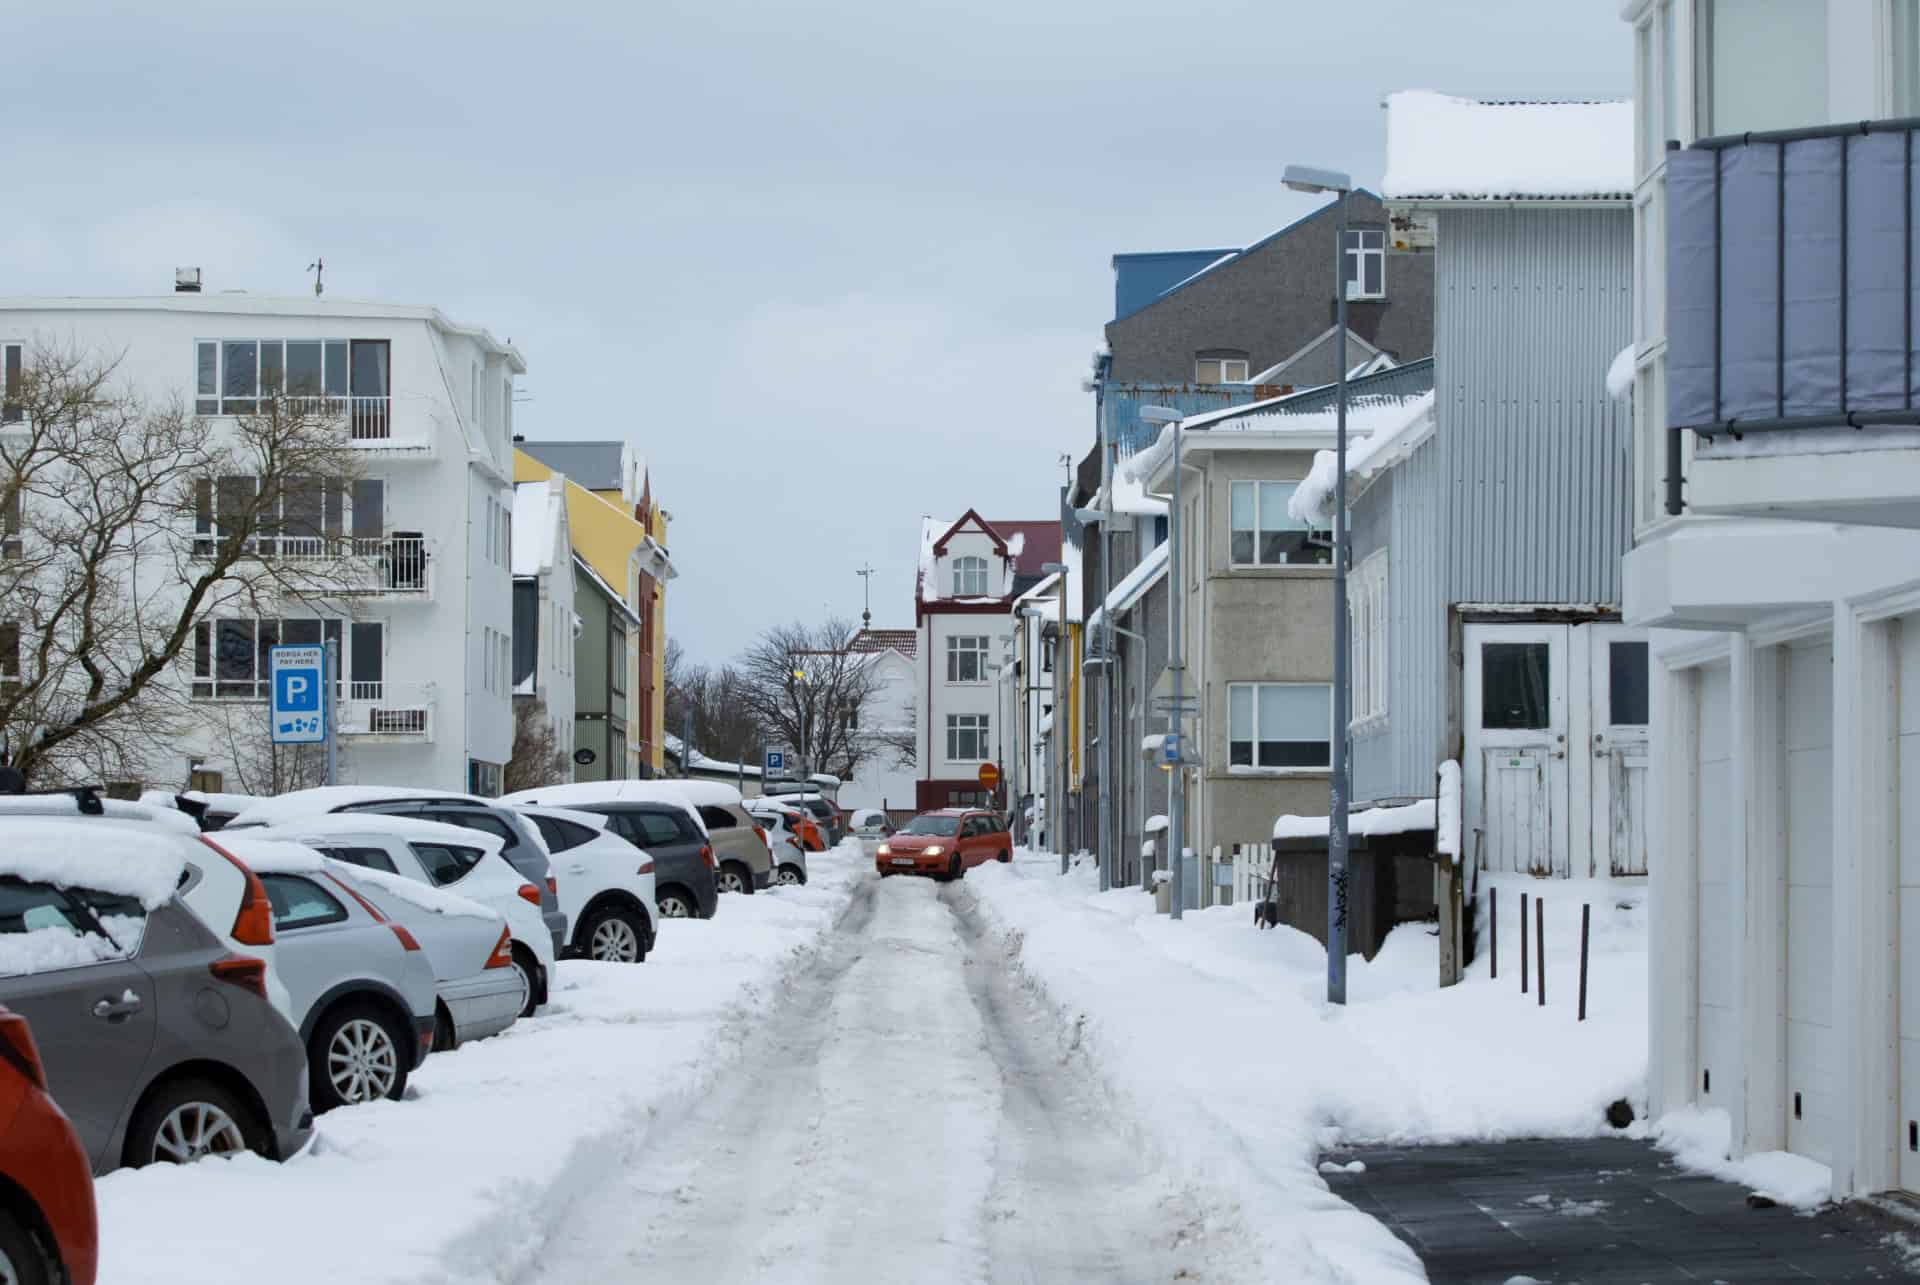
(614, 942)
(672, 906)
(9, 1274)
(361, 1061)
(730, 881)
(787, 875)
(192, 1130)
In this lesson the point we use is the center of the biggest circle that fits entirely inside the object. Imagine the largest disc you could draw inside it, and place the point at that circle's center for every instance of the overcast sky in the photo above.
(830, 266)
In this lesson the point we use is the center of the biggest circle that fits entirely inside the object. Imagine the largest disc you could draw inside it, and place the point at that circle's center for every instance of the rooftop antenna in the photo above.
(866, 592)
(317, 267)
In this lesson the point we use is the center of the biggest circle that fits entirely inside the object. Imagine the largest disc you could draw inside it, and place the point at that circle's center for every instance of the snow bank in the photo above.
(1214, 1038)
(1620, 375)
(496, 1139)
(1439, 145)
(1701, 1139)
(1447, 839)
(127, 859)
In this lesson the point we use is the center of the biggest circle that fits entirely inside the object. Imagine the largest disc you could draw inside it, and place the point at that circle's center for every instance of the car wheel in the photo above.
(791, 876)
(185, 1121)
(734, 877)
(675, 904)
(955, 870)
(529, 970)
(23, 1259)
(614, 936)
(1005, 856)
(444, 1036)
(355, 1056)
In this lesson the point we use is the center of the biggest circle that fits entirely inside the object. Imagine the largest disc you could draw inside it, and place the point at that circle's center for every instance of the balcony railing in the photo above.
(1790, 290)
(399, 711)
(398, 565)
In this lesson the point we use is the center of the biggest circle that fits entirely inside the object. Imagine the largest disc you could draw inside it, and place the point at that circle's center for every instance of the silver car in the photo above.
(157, 1039)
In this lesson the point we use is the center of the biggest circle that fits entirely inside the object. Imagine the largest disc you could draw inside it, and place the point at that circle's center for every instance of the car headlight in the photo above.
(932, 850)
(884, 849)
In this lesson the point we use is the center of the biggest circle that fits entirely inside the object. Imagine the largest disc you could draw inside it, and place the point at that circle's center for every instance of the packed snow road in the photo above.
(907, 1112)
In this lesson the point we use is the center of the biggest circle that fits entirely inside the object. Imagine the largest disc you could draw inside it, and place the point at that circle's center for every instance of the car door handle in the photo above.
(113, 1009)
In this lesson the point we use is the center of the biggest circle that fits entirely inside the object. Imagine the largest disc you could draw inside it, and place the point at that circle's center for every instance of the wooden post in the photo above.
(1586, 923)
(1523, 943)
(1493, 933)
(1450, 922)
(1540, 948)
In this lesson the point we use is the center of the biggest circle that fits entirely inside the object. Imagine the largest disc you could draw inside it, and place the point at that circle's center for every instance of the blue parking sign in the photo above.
(296, 714)
(775, 762)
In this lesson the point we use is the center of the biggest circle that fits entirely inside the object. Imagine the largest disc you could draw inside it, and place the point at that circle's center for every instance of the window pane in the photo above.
(301, 633)
(241, 378)
(366, 663)
(235, 650)
(1241, 506)
(1295, 712)
(1627, 683)
(1273, 506)
(367, 858)
(1242, 550)
(1240, 753)
(337, 369)
(304, 369)
(443, 864)
(1206, 372)
(203, 650)
(206, 368)
(300, 903)
(273, 373)
(369, 368)
(1374, 268)
(1295, 753)
(1240, 712)
(1233, 372)
(301, 505)
(1513, 685)
(1769, 65)
(369, 507)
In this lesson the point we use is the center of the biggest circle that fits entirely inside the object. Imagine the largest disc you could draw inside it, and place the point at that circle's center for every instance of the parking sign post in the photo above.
(329, 669)
(299, 710)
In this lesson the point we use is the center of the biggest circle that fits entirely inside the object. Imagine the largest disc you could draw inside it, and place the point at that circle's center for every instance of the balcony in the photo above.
(1793, 363)
(395, 567)
(387, 713)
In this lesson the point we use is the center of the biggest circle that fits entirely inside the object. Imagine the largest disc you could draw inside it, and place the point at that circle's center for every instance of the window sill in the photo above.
(1281, 570)
(1278, 773)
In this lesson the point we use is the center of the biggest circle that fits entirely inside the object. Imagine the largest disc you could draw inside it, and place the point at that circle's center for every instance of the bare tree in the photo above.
(809, 690)
(536, 759)
(126, 523)
(724, 725)
(241, 731)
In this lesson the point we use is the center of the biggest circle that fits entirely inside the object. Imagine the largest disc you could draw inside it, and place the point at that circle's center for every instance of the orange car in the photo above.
(47, 1228)
(944, 844)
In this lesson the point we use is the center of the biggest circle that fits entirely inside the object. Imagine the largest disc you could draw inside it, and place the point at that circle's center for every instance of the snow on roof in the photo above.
(127, 858)
(1397, 820)
(414, 893)
(931, 529)
(1620, 375)
(1130, 497)
(1152, 569)
(656, 791)
(1392, 428)
(302, 804)
(1451, 148)
(592, 820)
(333, 825)
(904, 641)
(268, 855)
(535, 508)
(1368, 414)
(1157, 823)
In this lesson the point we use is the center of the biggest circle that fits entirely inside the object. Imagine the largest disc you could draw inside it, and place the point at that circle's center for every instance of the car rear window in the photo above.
(300, 903)
(474, 819)
(663, 828)
(78, 916)
(446, 862)
(717, 818)
(562, 835)
(370, 858)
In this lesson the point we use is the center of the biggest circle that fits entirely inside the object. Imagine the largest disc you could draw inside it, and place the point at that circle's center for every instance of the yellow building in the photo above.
(619, 531)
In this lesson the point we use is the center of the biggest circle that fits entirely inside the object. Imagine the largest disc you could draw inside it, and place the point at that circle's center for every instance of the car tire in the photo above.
(1004, 857)
(676, 903)
(614, 935)
(187, 1119)
(444, 1035)
(954, 870)
(529, 969)
(355, 1055)
(734, 877)
(791, 876)
(24, 1260)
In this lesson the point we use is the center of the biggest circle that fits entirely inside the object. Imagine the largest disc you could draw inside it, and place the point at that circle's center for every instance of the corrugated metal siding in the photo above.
(1531, 307)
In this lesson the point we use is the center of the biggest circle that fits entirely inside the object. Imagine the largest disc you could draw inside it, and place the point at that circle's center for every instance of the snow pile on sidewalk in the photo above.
(459, 1181)
(1702, 1138)
(1217, 1038)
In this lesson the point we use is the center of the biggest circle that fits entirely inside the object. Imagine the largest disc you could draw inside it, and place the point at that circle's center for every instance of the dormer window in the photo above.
(1220, 366)
(969, 577)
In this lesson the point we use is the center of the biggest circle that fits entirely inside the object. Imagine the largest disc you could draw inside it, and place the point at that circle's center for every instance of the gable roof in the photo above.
(904, 641)
(1442, 148)
(986, 528)
(1276, 373)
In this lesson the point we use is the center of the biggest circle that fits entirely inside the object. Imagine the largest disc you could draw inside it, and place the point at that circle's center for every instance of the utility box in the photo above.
(1389, 882)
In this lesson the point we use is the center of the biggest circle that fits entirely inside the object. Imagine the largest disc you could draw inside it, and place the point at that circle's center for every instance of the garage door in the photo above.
(1809, 743)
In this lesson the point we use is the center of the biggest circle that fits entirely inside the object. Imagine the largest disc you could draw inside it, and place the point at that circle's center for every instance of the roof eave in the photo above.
(1437, 201)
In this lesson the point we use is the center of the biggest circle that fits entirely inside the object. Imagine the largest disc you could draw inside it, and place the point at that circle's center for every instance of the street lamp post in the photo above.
(1057, 777)
(1303, 178)
(1176, 665)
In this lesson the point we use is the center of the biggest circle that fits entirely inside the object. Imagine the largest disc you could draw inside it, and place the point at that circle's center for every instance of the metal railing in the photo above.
(387, 709)
(368, 419)
(381, 564)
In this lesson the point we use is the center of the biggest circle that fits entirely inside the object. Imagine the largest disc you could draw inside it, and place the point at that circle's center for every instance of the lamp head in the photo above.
(1306, 178)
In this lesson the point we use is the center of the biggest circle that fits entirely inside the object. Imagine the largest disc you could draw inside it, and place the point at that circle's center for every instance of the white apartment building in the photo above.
(971, 571)
(545, 625)
(421, 539)
(1777, 560)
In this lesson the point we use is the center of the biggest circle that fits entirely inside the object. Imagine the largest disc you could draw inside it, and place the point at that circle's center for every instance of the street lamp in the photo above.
(1057, 779)
(1305, 178)
(1176, 665)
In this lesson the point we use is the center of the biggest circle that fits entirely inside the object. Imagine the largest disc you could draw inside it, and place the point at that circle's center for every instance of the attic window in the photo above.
(969, 577)
(1365, 257)
(1220, 368)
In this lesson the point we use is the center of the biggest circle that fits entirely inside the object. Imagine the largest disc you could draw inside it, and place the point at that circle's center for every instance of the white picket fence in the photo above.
(1233, 876)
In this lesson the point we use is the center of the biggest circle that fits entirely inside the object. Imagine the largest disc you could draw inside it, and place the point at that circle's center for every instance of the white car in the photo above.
(461, 861)
(606, 884)
(789, 853)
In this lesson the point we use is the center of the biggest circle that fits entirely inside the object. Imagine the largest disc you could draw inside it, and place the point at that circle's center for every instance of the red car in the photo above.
(944, 844)
(47, 1229)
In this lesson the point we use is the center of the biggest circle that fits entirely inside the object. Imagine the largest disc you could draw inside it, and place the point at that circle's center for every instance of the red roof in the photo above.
(904, 641)
(1042, 544)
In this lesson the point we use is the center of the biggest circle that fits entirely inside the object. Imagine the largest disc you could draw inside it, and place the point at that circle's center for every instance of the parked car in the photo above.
(520, 843)
(807, 834)
(743, 860)
(869, 823)
(811, 795)
(48, 1229)
(361, 985)
(671, 832)
(465, 862)
(945, 844)
(211, 810)
(157, 1039)
(783, 835)
(608, 885)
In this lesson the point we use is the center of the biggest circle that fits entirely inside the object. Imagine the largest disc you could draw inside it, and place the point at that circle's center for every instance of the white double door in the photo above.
(1556, 747)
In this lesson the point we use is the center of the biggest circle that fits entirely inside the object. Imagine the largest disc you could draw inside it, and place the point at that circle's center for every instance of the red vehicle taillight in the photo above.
(530, 895)
(407, 940)
(553, 885)
(244, 971)
(502, 956)
(18, 1050)
(706, 855)
(646, 867)
(253, 925)
(761, 835)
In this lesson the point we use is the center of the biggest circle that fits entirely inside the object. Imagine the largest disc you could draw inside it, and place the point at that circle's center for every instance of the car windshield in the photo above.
(932, 825)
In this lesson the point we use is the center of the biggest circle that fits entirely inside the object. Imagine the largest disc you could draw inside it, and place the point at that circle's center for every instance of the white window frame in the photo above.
(13, 368)
(218, 397)
(960, 646)
(1370, 614)
(964, 567)
(1260, 527)
(1254, 689)
(1231, 370)
(209, 678)
(975, 725)
(1355, 250)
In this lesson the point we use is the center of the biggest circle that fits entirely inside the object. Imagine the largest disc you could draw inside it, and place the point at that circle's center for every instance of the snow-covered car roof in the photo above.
(414, 893)
(347, 824)
(266, 855)
(114, 855)
(300, 804)
(592, 820)
(613, 792)
(68, 805)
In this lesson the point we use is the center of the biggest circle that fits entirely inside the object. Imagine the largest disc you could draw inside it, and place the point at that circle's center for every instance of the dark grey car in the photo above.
(683, 865)
(163, 1046)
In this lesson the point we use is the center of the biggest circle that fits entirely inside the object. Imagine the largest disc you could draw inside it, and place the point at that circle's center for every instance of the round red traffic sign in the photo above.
(989, 776)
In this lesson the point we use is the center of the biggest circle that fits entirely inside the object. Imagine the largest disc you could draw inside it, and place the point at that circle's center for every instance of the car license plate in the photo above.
(903, 861)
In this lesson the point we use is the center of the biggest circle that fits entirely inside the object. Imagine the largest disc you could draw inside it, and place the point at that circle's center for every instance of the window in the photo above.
(1220, 368)
(969, 577)
(967, 738)
(12, 363)
(10, 545)
(1368, 614)
(1364, 259)
(233, 376)
(654, 828)
(310, 518)
(482, 779)
(9, 656)
(967, 658)
(562, 835)
(230, 654)
(446, 863)
(1264, 534)
(1761, 64)
(1280, 725)
(366, 858)
(1513, 685)
(1627, 695)
(105, 925)
(300, 903)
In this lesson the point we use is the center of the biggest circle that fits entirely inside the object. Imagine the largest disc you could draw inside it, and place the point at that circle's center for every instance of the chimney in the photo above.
(186, 281)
